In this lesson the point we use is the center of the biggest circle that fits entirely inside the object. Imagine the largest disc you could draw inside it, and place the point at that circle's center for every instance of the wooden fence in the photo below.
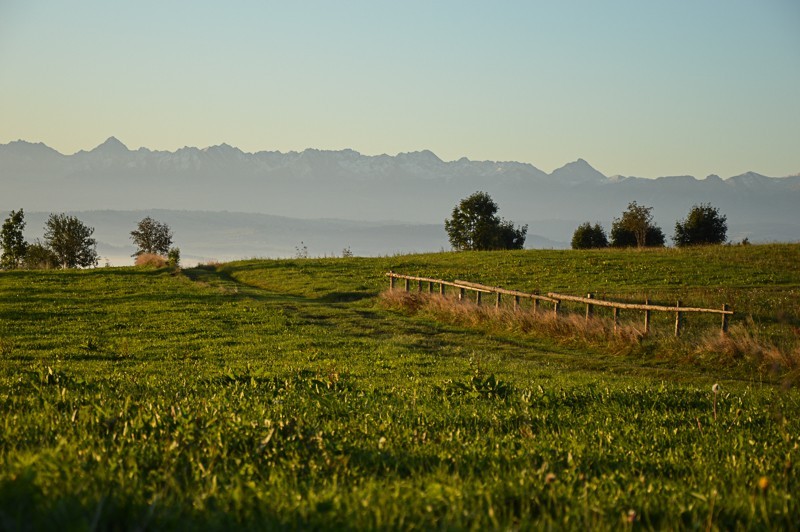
(556, 299)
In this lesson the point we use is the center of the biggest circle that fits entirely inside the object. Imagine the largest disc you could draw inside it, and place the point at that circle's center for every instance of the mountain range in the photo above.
(405, 190)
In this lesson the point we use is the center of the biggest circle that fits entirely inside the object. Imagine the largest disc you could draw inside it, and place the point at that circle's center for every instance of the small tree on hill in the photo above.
(13, 241)
(588, 236)
(703, 225)
(622, 238)
(636, 228)
(474, 225)
(174, 257)
(71, 241)
(151, 236)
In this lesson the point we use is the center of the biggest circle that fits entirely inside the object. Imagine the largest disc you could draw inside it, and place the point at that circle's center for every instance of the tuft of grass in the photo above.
(6, 347)
(151, 260)
(743, 343)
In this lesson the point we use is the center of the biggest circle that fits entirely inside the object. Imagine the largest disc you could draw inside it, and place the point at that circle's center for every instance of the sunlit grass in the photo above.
(281, 394)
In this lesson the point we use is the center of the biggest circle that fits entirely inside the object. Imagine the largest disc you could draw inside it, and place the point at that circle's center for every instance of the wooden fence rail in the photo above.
(556, 300)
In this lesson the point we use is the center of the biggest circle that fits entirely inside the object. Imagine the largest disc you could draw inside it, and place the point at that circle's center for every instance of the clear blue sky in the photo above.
(635, 87)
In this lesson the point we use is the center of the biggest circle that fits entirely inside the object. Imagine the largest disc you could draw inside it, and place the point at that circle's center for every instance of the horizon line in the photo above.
(115, 140)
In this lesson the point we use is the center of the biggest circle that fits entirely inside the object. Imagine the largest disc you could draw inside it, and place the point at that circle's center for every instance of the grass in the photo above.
(738, 348)
(151, 259)
(283, 394)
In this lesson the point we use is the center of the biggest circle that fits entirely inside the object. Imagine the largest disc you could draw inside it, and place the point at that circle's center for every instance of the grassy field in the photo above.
(288, 394)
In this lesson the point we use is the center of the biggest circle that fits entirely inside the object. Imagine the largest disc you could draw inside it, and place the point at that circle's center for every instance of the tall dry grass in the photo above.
(739, 345)
(742, 343)
(565, 328)
(150, 259)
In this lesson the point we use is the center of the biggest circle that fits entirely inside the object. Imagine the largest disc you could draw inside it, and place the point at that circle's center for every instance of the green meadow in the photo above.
(293, 394)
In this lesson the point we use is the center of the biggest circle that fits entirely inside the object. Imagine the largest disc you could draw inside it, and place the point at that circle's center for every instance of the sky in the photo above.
(641, 88)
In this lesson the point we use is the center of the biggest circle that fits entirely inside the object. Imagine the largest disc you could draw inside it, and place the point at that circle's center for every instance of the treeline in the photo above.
(703, 225)
(68, 243)
(475, 226)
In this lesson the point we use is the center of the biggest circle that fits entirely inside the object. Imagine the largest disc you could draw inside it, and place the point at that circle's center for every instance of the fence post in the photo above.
(726, 313)
(678, 320)
(724, 319)
(589, 307)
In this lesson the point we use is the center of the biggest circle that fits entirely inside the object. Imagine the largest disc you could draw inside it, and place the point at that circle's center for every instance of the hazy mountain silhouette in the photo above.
(410, 188)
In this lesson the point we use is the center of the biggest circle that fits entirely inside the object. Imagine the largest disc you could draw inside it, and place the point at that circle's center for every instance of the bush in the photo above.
(39, 257)
(587, 236)
(703, 225)
(174, 257)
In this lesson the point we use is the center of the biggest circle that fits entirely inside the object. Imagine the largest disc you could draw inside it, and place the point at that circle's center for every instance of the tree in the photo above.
(509, 237)
(71, 241)
(13, 241)
(622, 238)
(587, 236)
(474, 225)
(152, 236)
(39, 257)
(703, 225)
(636, 228)
(174, 257)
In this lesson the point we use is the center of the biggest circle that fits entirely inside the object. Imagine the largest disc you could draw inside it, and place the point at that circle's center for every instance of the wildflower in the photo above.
(763, 483)
(715, 389)
(550, 478)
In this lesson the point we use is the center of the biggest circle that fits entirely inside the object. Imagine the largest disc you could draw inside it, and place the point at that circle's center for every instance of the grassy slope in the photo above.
(280, 393)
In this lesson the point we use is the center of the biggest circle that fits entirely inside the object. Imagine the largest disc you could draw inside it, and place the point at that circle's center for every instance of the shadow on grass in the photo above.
(344, 297)
(420, 334)
(24, 506)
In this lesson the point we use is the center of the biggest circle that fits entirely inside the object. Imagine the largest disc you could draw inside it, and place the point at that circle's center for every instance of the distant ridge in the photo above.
(413, 187)
(576, 172)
